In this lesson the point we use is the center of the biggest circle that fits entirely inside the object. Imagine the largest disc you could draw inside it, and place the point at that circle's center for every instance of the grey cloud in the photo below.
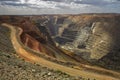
(63, 6)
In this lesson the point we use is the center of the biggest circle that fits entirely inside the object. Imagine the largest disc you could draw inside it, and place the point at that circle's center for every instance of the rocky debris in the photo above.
(103, 42)
(9, 72)
(12, 67)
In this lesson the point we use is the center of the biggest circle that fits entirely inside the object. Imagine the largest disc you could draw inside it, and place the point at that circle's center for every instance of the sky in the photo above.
(36, 7)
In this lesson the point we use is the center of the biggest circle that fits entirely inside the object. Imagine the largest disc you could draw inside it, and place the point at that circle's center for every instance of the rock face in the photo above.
(31, 42)
(100, 41)
(97, 33)
(93, 37)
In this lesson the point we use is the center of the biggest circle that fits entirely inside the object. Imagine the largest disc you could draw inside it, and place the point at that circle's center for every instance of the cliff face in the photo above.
(93, 37)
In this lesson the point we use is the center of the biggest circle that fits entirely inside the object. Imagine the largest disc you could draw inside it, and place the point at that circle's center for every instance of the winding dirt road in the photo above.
(30, 56)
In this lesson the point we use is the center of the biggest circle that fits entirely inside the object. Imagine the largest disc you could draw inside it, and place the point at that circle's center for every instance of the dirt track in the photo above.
(28, 55)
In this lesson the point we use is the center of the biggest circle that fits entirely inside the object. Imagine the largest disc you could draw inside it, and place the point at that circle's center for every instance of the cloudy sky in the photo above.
(58, 6)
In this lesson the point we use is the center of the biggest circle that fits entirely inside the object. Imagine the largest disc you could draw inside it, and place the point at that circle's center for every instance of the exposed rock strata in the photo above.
(100, 43)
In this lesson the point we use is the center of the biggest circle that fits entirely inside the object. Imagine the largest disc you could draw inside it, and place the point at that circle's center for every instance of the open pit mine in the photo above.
(85, 45)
